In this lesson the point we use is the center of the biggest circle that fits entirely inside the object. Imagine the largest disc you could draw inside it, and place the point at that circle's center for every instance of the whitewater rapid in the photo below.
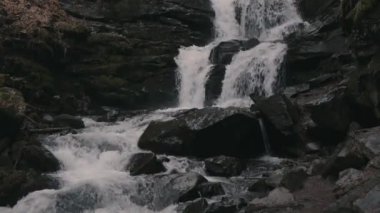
(93, 159)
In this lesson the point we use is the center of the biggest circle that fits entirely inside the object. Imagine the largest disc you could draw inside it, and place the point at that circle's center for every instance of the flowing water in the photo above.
(93, 178)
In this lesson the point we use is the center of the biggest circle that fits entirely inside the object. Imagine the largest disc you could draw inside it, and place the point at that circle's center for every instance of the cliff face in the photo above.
(85, 53)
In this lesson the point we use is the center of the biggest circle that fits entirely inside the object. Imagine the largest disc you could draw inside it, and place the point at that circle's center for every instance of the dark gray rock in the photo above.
(223, 166)
(68, 121)
(15, 184)
(144, 163)
(281, 118)
(38, 158)
(160, 191)
(206, 132)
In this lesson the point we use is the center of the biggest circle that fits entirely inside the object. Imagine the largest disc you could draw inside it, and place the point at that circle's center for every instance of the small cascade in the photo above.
(252, 71)
(264, 134)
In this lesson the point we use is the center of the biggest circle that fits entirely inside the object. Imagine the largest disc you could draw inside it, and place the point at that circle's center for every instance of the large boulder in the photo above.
(144, 163)
(206, 132)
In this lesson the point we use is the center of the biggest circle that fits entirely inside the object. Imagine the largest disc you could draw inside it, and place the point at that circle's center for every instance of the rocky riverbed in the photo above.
(81, 83)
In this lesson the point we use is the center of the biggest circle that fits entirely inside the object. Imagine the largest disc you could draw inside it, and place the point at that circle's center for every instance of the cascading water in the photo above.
(93, 177)
(193, 62)
(251, 71)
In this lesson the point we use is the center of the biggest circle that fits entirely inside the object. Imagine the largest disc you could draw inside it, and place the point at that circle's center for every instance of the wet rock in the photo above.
(82, 198)
(205, 132)
(38, 158)
(223, 166)
(198, 205)
(144, 163)
(15, 184)
(69, 121)
(223, 53)
(160, 191)
(348, 179)
(277, 197)
(281, 118)
(369, 203)
(293, 91)
(211, 189)
(220, 57)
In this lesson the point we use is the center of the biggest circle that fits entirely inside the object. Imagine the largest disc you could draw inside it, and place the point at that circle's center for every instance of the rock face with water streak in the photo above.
(206, 132)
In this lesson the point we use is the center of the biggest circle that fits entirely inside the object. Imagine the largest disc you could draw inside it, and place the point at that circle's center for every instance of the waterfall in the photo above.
(251, 71)
(93, 178)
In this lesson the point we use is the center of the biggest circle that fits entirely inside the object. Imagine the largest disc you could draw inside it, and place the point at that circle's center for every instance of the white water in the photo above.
(93, 160)
(193, 62)
(252, 71)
